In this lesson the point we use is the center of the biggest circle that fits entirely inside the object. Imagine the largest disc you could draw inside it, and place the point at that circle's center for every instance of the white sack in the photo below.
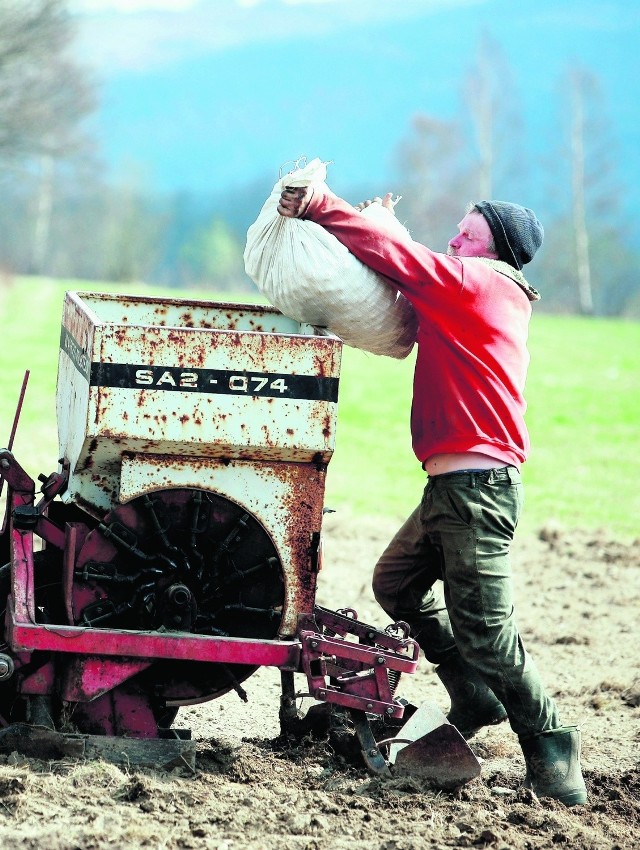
(310, 276)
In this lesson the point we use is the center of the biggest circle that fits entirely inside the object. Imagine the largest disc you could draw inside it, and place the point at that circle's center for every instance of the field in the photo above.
(584, 409)
(577, 585)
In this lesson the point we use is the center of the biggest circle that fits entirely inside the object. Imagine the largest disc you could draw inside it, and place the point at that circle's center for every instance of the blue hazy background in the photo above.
(208, 96)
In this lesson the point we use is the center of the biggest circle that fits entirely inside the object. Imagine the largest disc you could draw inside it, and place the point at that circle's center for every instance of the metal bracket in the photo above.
(25, 517)
(371, 754)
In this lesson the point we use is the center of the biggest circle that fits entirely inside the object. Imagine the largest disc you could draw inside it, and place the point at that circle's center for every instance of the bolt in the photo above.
(380, 659)
(179, 595)
(6, 667)
(373, 752)
(389, 709)
(369, 706)
(5, 463)
(313, 644)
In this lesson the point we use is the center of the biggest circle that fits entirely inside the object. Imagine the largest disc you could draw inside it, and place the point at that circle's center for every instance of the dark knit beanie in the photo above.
(517, 233)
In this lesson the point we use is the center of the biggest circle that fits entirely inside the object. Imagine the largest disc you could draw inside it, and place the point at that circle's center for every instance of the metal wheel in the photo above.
(183, 560)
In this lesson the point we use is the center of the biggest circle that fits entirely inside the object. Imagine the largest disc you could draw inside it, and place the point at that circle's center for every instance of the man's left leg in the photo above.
(473, 516)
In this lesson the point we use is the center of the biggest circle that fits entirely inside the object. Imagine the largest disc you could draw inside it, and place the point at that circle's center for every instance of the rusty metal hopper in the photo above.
(187, 379)
(234, 399)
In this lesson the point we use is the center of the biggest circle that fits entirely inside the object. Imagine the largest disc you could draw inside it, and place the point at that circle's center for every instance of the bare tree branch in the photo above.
(44, 94)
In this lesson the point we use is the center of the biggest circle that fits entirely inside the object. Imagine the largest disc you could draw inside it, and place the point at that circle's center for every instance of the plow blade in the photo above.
(428, 747)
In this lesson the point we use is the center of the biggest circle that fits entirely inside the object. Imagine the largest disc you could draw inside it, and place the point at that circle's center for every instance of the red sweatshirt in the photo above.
(472, 339)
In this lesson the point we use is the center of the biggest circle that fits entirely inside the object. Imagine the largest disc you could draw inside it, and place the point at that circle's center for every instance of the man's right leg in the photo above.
(403, 585)
(406, 585)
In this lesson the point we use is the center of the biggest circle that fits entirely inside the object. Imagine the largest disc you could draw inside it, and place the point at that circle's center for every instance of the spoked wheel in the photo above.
(179, 560)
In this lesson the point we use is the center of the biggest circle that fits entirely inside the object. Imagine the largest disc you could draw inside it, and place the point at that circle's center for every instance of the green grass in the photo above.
(584, 419)
(584, 410)
(583, 392)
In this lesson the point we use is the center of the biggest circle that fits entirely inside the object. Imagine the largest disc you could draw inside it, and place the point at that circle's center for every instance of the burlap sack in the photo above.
(309, 275)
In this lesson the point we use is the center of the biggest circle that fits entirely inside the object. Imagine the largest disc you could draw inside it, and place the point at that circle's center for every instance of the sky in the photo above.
(207, 95)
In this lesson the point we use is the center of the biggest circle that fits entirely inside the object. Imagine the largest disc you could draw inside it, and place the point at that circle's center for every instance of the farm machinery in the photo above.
(177, 547)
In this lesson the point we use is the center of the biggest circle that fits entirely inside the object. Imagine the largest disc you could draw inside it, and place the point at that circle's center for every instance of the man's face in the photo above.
(473, 239)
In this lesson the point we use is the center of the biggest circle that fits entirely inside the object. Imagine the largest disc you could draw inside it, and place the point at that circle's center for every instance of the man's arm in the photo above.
(295, 200)
(409, 264)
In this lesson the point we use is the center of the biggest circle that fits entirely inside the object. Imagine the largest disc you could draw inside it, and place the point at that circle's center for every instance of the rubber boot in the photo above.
(553, 765)
(473, 704)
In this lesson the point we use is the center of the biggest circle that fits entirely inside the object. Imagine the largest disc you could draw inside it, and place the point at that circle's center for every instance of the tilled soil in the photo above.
(578, 596)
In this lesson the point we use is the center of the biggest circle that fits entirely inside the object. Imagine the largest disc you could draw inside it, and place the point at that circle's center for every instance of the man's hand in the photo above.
(294, 201)
(387, 202)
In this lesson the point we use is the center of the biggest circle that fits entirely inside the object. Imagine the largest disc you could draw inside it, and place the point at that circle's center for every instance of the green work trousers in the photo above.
(461, 534)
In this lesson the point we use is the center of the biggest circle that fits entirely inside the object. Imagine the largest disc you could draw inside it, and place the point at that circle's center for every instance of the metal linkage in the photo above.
(20, 504)
(355, 665)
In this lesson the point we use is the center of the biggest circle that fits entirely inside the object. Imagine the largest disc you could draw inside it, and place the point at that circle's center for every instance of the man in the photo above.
(467, 423)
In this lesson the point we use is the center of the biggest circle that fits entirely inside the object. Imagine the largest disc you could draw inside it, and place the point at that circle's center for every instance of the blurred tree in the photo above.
(496, 122)
(132, 232)
(214, 256)
(434, 181)
(443, 164)
(587, 259)
(44, 97)
(586, 263)
(578, 87)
